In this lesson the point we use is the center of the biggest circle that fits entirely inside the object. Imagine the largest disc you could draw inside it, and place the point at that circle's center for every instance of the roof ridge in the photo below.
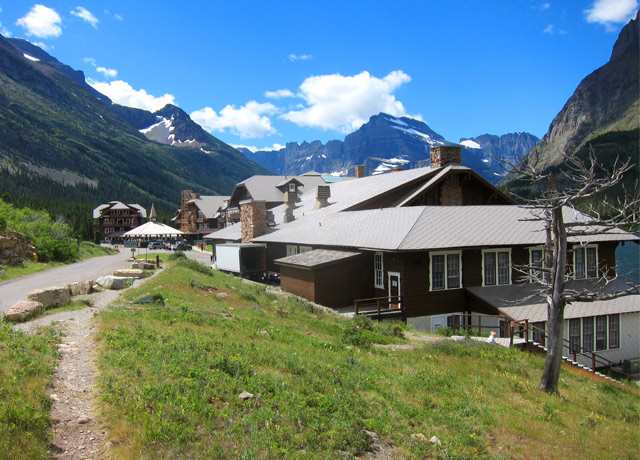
(413, 226)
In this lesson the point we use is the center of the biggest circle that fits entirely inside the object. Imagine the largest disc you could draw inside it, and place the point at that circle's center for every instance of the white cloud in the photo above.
(122, 93)
(4, 31)
(610, 12)
(90, 61)
(346, 103)
(548, 29)
(247, 121)
(279, 94)
(109, 73)
(545, 6)
(118, 17)
(254, 149)
(301, 57)
(85, 15)
(42, 22)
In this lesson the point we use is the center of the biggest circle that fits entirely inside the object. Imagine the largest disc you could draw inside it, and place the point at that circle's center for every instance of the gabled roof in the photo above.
(97, 212)
(209, 204)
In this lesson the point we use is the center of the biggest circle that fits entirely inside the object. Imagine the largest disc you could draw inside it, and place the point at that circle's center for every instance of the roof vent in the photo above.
(323, 192)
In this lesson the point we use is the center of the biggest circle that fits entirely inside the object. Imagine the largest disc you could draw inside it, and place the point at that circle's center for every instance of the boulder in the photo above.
(51, 296)
(130, 273)
(81, 288)
(114, 282)
(24, 309)
(146, 265)
(14, 249)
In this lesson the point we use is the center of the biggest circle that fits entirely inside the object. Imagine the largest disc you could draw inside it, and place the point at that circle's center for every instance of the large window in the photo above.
(574, 335)
(445, 270)
(594, 333)
(496, 267)
(292, 249)
(585, 261)
(378, 268)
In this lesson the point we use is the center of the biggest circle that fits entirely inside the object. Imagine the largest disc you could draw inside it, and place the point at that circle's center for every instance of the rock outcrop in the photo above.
(130, 273)
(14, 249)
(23, 310)
(51, 296)
(114, 282)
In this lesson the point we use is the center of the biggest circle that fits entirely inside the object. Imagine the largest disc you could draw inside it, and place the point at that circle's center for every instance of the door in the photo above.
(394, 290)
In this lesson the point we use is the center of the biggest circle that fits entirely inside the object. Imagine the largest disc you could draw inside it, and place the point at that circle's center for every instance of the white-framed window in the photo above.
(292, 250)
(585, 261)
(445, 270)
(292, 186)
(536, 260)
(302, 249)
(378, 269)
(594, 333)
(496, 266)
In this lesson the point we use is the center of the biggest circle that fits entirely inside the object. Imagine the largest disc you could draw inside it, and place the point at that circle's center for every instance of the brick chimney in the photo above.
(443, 155)
(290, 199)
(253, 219)
(323, 192)
(359, 171)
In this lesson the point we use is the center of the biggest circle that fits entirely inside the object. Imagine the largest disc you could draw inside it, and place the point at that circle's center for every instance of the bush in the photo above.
(53, 240)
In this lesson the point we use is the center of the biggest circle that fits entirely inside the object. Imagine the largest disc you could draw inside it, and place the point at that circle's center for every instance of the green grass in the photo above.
(26, 366)
(87, 250)
(170, 376)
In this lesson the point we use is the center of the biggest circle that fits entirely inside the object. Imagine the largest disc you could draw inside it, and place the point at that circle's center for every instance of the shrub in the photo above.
(53, 240)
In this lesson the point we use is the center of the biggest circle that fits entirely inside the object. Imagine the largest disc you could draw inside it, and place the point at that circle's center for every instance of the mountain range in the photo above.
(66, 149)
(386, 142)
(602, 118)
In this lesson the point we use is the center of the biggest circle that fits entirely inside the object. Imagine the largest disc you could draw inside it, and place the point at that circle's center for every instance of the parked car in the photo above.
(155, 245)
(182, 246)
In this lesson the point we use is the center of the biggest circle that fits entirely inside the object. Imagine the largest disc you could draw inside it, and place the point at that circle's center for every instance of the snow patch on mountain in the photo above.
(424, 136)
(471, 144)
(31, 58)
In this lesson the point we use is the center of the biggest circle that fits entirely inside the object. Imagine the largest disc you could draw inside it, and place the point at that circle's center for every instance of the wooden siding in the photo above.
(298, 282)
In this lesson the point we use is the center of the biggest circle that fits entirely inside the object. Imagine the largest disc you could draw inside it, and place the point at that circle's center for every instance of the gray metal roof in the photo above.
(230, 233)
(209, 204)
(523, 301)
(423, 228)
(265, 188)
(316, 258)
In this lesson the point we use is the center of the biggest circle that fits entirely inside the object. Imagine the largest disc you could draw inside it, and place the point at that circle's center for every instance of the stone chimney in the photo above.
(290, 199)
(359, 171)
(443, 155)
(253, 219)
(323, 192)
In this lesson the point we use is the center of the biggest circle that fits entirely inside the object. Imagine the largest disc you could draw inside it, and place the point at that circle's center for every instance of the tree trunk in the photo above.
(555, 303)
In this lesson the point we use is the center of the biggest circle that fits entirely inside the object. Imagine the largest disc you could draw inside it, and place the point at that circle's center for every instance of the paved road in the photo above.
(17, 289)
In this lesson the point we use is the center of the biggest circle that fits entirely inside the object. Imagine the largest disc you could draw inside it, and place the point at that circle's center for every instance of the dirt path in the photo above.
(77, 434)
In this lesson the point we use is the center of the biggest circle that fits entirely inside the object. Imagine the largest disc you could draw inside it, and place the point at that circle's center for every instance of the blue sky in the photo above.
(263, 73)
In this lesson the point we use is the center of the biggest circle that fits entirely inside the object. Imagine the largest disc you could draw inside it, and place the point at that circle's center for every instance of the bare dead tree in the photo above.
(583, 180)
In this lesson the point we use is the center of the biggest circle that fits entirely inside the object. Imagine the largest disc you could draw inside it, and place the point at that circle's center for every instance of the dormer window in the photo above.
(292, 187)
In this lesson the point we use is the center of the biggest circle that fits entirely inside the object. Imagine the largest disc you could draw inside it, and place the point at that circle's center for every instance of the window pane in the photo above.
(437, 272)
(592, 267)
(601, 333)
(503, 268)
(377, 262)
(489, 268)
(587, 333)
(538, 332)
(574, 335)
(614, 331)
(578, 254)
(453, 271)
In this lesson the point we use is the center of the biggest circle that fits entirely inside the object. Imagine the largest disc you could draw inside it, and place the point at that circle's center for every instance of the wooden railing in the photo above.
(524, 329)
(575, 350)
(388, 304)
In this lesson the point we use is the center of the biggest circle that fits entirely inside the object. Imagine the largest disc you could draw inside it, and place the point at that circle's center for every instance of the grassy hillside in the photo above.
(171, 374)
